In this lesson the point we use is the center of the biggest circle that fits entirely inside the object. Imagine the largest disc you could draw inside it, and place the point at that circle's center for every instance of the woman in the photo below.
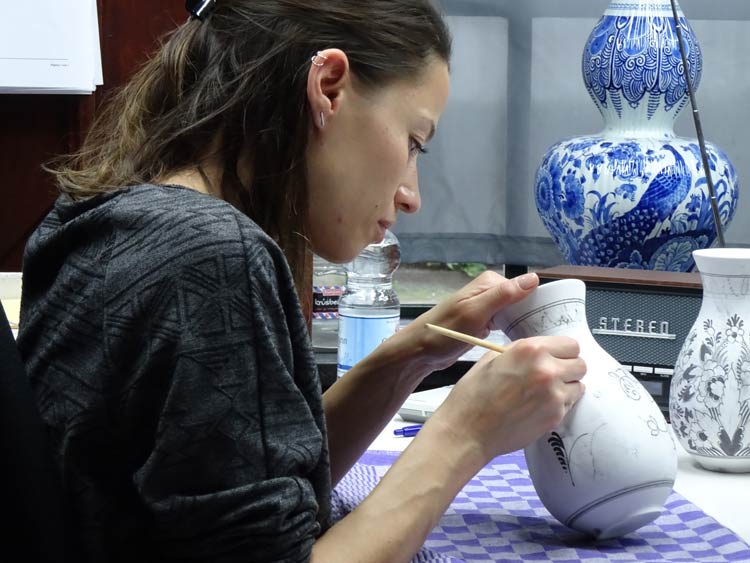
(161, 326)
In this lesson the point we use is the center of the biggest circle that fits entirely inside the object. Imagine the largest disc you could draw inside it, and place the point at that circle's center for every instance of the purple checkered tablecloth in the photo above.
(499, 517)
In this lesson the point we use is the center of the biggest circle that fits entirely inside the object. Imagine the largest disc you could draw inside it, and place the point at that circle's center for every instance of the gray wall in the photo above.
(516, 88)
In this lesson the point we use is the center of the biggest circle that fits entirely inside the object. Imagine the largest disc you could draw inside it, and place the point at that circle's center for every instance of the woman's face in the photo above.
(362, 163)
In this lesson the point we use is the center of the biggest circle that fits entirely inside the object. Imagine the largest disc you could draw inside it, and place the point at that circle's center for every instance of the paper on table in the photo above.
(496, 337)
(50, 46)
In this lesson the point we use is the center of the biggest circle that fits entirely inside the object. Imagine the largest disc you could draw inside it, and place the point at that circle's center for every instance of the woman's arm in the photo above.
(500, 405)
(360, 404)
(393, 522)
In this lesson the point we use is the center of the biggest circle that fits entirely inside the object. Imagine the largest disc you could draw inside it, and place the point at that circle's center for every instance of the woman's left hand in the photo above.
(469, 310)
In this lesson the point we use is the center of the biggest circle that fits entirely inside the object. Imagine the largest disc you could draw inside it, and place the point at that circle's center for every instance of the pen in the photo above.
(407, 431)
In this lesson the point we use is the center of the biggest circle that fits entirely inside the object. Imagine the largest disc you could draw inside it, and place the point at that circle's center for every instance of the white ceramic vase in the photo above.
(709, 399)
(608, 468)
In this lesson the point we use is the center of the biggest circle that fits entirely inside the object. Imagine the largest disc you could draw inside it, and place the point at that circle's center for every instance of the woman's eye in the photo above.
(415, 147)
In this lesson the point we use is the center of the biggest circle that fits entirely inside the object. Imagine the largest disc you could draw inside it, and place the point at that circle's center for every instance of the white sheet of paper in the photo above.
(49, 46)
(495, 336)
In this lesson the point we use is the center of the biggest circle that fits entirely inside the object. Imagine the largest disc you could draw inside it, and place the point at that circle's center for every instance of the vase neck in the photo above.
(725, 272)
(616, 128)
(561, 316)
(726, 287)
(642, 7)
(632, 67)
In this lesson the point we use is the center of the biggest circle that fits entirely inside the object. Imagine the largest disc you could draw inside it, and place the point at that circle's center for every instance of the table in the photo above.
(723, 498)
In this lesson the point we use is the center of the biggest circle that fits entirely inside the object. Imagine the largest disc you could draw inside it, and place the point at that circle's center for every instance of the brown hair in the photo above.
(238, 81)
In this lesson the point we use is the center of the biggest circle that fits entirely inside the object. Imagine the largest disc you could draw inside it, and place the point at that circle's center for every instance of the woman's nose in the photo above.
(408, 200)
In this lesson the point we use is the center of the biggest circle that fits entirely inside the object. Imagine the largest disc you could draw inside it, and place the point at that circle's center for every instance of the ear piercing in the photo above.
(318, 60)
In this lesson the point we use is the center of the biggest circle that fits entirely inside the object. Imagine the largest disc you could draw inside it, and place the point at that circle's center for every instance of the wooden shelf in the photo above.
(622, 276)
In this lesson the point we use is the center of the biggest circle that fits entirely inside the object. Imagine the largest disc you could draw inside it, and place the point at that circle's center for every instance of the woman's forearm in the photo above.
(393, 522)
(360, 404)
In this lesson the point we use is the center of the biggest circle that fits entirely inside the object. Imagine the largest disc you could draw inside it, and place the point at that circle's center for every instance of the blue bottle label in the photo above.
(358, 336)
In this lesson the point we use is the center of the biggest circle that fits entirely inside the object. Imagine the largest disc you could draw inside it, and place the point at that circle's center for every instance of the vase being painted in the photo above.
(609, 466)
(709, 398)
(635, 195)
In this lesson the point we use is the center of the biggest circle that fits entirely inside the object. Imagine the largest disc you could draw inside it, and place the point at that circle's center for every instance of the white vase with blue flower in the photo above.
(709, 398)
(635, 195)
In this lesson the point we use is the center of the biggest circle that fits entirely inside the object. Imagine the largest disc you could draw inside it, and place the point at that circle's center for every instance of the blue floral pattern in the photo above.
(635, 201)
(710, 392)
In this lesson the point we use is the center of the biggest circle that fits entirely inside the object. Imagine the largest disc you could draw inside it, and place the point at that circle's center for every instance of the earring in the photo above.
(316, 59)
(322, 120)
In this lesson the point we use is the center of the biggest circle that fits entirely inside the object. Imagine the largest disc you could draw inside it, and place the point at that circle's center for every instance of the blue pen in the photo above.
(407, 431)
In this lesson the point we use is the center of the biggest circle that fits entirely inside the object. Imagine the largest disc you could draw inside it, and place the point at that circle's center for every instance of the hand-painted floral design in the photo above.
(558, 446)
(657, 425)
(710, 391)
(674, 254)
(710, 385)
(626, 191)
(573, 200)
(735, 331)
(628, 384)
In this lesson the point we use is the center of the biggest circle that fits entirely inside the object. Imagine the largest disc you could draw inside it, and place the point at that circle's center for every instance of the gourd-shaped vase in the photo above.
(709, 398)
(635, 195)
(609, 466)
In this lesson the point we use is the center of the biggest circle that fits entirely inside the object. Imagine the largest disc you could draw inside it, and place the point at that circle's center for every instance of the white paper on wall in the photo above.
(49, 47)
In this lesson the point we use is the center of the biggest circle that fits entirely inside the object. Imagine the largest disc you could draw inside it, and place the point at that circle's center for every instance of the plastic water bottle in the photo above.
(369, 309)
(328, 285)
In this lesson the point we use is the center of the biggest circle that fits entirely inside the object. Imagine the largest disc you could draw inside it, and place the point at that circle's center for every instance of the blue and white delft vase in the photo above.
(709, 397)
(635, 195)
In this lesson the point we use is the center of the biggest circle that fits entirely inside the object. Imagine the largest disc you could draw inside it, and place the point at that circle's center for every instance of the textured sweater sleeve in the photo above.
(217, 384)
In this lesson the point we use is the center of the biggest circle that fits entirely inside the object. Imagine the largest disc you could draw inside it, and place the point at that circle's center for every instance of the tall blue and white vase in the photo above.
(635, 195)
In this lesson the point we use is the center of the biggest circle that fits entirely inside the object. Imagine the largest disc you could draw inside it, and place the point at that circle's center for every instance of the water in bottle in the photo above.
(328, 285)
(369, 309)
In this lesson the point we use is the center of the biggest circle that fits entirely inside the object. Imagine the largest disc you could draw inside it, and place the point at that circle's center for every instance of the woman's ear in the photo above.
(327, 81)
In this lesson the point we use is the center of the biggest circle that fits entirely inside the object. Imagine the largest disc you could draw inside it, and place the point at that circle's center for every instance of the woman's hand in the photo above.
(502, 404)
(508, 400)
(469, 310)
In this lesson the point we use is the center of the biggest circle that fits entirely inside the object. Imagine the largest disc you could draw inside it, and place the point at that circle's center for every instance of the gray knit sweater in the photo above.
(171, 363)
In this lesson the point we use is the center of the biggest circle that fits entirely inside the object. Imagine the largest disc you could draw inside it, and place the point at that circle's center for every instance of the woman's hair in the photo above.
(236, 83)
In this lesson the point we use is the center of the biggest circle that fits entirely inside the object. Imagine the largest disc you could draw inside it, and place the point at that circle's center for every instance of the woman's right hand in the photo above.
(502, 404)
(506, 401)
